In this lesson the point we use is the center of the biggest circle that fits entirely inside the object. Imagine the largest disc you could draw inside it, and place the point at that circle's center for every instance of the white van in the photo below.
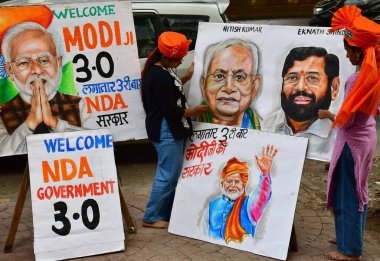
(152, 17)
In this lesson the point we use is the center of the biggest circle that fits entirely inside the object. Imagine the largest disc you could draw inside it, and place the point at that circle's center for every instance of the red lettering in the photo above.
(40, 193)
(96, 189)
(112, 183)
(70, 193)
(48, 192)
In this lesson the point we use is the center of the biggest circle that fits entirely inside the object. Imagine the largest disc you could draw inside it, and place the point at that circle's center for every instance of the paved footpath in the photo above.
(314, 225)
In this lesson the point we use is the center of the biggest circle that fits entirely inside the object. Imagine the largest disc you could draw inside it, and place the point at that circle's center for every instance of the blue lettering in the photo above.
(61, 144)
(81, 143)
(68, 145)
(89, 142)
(50, 145)
(78, 145)
(100, 141)
(109, 140)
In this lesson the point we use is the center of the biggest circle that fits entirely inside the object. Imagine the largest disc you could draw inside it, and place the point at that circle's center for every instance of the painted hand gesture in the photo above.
(47, 115)
(265, 162)
(40, 110)
(35, 116)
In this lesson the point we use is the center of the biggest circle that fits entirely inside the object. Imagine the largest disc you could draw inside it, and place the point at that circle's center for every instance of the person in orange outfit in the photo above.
(355, 145)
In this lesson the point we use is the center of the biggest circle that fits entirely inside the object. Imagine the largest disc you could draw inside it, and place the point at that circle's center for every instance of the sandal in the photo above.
(335, 255)
(332, 241)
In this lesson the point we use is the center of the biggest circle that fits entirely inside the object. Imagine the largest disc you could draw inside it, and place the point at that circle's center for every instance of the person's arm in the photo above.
(199, 110)
(15, 143)
(326, 114)
(189, 73)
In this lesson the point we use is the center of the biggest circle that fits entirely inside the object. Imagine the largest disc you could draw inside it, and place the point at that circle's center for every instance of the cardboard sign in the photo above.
(85, 63)
(276, 81)
(238, 188)
(75, 197)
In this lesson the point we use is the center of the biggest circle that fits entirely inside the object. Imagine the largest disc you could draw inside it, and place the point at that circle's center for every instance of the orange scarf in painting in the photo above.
(234, 231)
(360, 32)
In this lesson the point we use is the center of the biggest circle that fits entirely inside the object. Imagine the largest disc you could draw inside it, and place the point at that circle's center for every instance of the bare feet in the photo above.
(161, 224)
(332, 241)
(335, 255)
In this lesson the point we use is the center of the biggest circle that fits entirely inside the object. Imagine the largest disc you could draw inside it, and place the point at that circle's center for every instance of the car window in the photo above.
(184, 24)
(146, 33)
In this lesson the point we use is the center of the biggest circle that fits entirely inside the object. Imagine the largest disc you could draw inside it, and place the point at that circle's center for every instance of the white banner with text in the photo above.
(75, 196)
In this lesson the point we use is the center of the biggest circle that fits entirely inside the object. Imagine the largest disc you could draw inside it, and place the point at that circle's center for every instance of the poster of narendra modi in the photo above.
(271, 78)
(63, 68)
(238, 188)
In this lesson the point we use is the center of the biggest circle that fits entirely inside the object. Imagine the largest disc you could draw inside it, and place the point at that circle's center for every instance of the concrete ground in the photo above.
(136, 166)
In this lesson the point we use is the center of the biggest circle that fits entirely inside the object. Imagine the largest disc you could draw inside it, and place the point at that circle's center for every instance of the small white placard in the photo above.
(75, 197)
